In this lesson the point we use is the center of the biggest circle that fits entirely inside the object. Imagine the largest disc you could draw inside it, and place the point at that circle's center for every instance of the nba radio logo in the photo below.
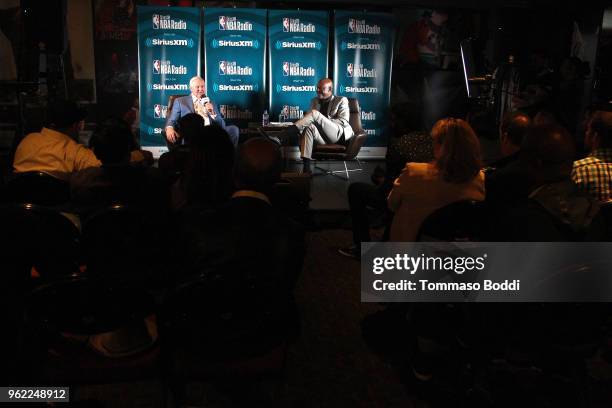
(160, 111)
(222, 22)
(349, 70)
(222, 67)
(156, 66)
(155, 21)
(351, 25)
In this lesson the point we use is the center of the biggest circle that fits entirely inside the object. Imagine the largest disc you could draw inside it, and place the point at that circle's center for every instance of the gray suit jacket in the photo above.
(337, 112)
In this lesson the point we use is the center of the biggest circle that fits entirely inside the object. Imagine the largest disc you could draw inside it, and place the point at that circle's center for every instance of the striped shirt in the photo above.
(593, 174)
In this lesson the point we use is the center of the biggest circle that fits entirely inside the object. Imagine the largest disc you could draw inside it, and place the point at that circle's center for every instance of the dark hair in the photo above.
(190, 126)
(459, 160)
(207, 177)
(515, 126)
(545, 117)
(258, 165)
(112, 141)
(601, 123)
(550, 148)
(62, 113)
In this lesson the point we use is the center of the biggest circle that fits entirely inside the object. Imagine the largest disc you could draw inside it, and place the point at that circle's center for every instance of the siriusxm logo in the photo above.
(161, 22)
(240, 87)
(358, 89)
(233, 43)
(295, 88)
(154, 131)
(291, 112)
(358, 71)
(360, 27)
(232, 24)
(361, 46)
(365, 115)
(154, 42)
(294, 69)
(293, 25)
(233, 112)
(167, 87)
(165, 67)
(230, 68)
(314, 45)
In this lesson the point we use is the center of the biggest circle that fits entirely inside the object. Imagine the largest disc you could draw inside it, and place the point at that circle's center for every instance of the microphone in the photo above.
(205, 99)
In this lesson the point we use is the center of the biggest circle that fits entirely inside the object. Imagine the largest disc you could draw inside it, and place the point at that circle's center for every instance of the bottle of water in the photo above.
(265, 119)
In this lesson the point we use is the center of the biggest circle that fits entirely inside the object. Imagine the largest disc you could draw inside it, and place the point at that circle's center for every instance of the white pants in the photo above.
(315, 127)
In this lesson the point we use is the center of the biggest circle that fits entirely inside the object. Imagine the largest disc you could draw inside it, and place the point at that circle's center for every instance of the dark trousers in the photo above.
(364, 197)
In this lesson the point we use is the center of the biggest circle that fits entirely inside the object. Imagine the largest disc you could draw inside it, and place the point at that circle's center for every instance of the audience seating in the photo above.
(213, 329)
(606, 212)
(123, 241)
(65, 318)
(38, 188)
(42, 238)
(346, 151)
(459, 221)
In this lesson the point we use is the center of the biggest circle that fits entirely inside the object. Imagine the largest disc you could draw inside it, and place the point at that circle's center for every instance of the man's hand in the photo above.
(171, 135)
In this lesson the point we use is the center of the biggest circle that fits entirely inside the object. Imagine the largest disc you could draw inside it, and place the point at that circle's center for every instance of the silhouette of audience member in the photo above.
(555, 210)
(55, 149)
(508, 180)
(206, 180)
(454, 175)
(593, 174)
(172, 163)
(117, 180)
(247, 242)
(409, 144)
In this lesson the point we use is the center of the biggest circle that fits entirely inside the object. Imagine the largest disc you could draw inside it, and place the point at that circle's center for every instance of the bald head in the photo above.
(550, 150)
(258, 165)
(324, 88)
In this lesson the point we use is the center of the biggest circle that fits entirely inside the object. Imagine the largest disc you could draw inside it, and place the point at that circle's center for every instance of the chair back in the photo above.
(42, 238)
(171, 100)
(606, 212)
(458, 221)
(117, 240)
(87, 305)
(354, 114)
(36, 187)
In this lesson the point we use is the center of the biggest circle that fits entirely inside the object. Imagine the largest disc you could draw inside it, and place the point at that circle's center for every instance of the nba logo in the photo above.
(222, 21)
(349, 70)
(285, 68)
(285, 111)
(285, 25)
(351, 25)
(221, 67)
(223, 110)
(156, 66)
(157, 111)
(155, 21)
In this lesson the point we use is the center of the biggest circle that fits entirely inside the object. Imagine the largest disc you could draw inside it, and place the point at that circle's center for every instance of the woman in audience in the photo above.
(207, 178)
(454, 175)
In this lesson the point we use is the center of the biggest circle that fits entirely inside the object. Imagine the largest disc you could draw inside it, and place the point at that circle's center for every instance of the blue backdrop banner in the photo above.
(363, 45)
(235, 49)
(168, 56)
(297, 60)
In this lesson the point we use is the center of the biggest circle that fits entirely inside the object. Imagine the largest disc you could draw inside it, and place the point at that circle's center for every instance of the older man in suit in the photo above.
(197, 102)
(326, 122)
